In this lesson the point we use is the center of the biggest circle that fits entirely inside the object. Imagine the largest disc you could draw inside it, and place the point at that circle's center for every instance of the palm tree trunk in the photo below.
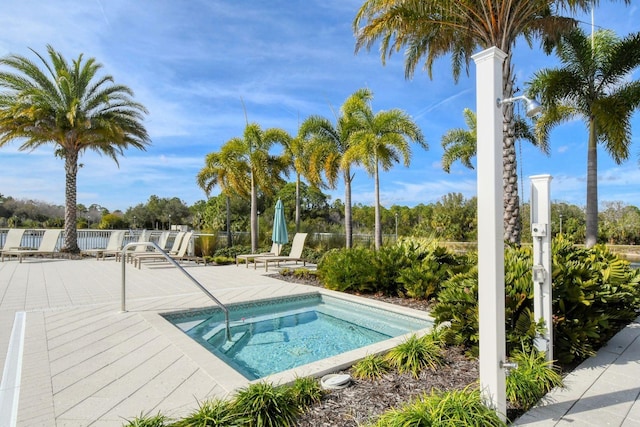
(70, 212)
(229, 236)
(347, 209)
(376, 209)
(592, 187)
(297, 203)
(254, 216)
(511, 198)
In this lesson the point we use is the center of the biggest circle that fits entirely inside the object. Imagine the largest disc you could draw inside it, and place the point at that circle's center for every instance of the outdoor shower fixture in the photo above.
(533, 106)
(541, 270)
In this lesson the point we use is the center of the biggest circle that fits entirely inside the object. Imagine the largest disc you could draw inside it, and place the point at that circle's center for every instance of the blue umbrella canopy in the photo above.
(279, 234)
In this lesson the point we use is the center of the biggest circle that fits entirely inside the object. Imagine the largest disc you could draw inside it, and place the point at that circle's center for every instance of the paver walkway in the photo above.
(602, 391)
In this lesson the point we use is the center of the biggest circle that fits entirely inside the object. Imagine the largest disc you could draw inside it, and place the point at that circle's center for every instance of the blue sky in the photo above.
(192, 62)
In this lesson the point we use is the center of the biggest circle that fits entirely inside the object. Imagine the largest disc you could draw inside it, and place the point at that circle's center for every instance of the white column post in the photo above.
(541, 234)
(491, 297)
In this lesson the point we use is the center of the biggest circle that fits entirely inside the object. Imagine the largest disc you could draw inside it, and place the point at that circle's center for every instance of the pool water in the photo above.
(272, 336)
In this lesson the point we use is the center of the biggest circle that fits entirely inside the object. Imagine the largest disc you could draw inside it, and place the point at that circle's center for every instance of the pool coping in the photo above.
(233, 380)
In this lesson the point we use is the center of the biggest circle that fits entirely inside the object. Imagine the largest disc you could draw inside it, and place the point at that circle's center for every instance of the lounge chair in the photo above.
(114, 245)
(175, 247)
(47, 246)
(181, 254)
(275, 251)
(163, 239)
(13, 239)
(294, 255)
(138, 249)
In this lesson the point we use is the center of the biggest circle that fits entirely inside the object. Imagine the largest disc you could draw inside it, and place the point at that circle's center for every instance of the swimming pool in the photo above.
(277, 335)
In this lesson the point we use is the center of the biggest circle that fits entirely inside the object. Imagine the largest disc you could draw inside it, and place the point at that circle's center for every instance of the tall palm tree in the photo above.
(592, 83)
(264, 169)
(69, 106)
(297, 152)
(436, 28)
(226, 171)
(380, 140)
(329, 143)
(461, 144)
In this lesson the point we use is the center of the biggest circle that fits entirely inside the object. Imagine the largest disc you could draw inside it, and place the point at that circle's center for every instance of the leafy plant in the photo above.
(451, 408)
(595, 294)
(348, 270)
(416, 354)
(533, 378)
(223, 260)
(370, 367)
(212, 413)
(266, 405)
(157, 420)
(306, 391)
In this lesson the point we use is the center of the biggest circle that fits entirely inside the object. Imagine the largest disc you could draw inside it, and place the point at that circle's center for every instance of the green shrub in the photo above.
(305, 391)
(232, 251)
(595, 294)
(422, 278)
(533, 378)
(416, 354)
(370, 367)
(458, 307)
(440, 409)
(206, 244)
(348, 270)
(211, 413)
(158, 420)
(223, 260)
(266, 405)
(389, 262)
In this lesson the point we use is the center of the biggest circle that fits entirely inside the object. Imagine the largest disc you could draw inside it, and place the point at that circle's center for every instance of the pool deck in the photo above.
(71, 357)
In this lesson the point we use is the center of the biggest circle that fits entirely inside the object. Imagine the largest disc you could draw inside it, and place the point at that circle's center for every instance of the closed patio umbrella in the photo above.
(279, 234)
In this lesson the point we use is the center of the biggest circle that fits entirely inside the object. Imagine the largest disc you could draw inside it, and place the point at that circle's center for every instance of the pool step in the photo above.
(235, 339)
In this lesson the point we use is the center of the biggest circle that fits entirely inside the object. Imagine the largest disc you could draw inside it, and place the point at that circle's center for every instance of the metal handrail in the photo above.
(175, 263)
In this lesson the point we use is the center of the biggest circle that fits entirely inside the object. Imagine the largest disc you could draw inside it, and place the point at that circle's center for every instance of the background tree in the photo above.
(230, 174)
(380, 140)
(457, 28)
(251, 152)
(594, 84)
(69, 106)
(329, 145)
(462, 144)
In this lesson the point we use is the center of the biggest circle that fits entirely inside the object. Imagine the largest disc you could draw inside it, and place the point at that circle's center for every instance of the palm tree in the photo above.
(592, 83)
(379, 141)
(251, 153)
(432, 29)
(69, 106)
(297, 154)
(461, 144)
(328, 144)
(227, 172)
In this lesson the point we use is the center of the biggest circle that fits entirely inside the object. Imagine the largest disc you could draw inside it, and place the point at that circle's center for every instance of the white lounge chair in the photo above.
(13, 239)
(47, 246)
(181, 254)
(114, 245)
(275, 251)
(138, 249)
(297, 246)
(175, 247)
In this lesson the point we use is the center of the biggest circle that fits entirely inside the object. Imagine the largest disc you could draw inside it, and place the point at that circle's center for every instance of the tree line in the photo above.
(452, 218)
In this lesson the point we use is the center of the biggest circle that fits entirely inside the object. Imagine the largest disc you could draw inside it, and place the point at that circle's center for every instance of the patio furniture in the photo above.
(297, 246)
